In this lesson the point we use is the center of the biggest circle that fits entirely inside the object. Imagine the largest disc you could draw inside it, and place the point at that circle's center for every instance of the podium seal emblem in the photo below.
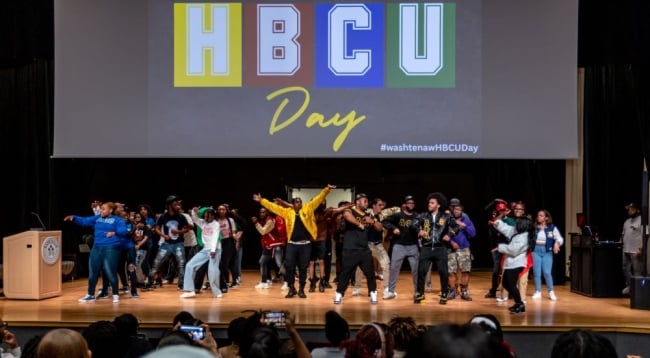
(50, 250)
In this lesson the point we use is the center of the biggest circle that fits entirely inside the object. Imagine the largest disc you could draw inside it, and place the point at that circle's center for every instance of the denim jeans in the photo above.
(198, 260)
(166, 249)
(632, 266)
(265, 260)
(542, 265)
(140, 265)
(106, 258)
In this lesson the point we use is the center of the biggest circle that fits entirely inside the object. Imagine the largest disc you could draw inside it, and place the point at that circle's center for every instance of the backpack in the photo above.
(280, 229)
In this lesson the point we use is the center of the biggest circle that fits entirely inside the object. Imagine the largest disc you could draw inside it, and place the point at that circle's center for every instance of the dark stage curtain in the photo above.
(616, 133)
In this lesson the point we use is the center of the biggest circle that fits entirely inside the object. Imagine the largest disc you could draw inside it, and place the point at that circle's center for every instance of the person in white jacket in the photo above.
(211, 253)
(515, 251)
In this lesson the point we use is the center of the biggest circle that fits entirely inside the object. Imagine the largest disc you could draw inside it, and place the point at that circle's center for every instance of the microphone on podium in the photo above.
(38, 217)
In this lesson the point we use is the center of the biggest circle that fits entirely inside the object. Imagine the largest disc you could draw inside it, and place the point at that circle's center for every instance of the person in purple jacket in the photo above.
(105, 252)
(460, 257)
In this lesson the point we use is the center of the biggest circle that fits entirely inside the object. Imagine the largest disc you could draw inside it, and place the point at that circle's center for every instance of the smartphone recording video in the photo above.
(196, 332)
(274, 318)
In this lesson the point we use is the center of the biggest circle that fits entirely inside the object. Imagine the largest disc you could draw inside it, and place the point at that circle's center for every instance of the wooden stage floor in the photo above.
(156, 308)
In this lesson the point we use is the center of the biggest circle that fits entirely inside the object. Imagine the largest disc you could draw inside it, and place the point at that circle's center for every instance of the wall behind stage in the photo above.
(76, 182)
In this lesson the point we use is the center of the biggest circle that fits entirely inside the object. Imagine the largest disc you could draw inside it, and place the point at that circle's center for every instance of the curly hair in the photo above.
(404, 331)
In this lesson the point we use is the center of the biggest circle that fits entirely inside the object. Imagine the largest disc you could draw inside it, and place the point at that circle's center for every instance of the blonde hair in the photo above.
(63, 343)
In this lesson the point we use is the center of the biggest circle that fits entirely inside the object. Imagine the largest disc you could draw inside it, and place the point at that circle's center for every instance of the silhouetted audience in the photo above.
(31, 347)
(404, 331)
(102, 339)
(453, 340)
(582, 343)
(372, 340)
(132, 344)
(491, 325)
(234, 331)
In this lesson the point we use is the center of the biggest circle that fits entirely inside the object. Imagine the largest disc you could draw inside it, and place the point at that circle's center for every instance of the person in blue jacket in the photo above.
(105, 252)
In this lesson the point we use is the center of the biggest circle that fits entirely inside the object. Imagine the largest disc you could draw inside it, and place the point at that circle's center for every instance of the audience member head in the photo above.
(31, 347)
(102, 339)
(585, 343)
(126, 325)
(372, 340)
(173, 338)
(63, 343)
(404, 331)
(336, 328)
(490, 325)
(265, 343)
(181, 317)
(235, 330)
(456, 341)
(248, 328)
(184, 351)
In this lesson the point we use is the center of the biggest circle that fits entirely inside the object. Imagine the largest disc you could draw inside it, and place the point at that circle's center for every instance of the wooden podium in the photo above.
(32, 265)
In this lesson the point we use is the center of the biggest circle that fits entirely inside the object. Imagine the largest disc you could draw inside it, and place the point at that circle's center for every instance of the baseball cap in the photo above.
(297, 198)
(408, 197)
(172, 198)
(501, 207)
(632, 205)
(360, 195)
(454, 202)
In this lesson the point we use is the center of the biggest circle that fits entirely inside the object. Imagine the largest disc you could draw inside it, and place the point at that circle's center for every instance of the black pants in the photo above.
(429, 255)
(327, 261)
(510, 277)
(297, 254)
(496, 270)
(353, 259)
(228, 256)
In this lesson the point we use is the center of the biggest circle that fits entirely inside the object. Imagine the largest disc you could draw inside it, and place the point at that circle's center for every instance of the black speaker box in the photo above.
(640, 292)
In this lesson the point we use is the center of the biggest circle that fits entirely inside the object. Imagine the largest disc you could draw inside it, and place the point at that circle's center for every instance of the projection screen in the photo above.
(386, 79)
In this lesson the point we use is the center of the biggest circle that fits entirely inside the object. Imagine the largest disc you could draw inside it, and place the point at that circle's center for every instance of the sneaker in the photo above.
(166, 282)
(491, 294)
(188, 294)
(502, 299)
(135, 295)
(537, 295)
(219, 295)
(234, 285)
(389, 295)
(206, 286)
(338, 298)
(428, 288)
(87, 298)
(373, 297)
(451, 295)
(262, 285)
(101, 295)
(284, 286)
(116, 298)
(356, 292)
(552, 296)
(443, 297)
(626, 290)
(418, 298)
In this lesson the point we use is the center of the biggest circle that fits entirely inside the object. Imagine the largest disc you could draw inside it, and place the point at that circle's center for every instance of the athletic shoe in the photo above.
(389, 295)
(166, 282)
(262, 285)
(418, 298)
(502, 299)
(101, 295)
(356, 292)
(87, 298)
(338, 298)
(284, 286)
(234, 285)
(626, 290)
(428, 288)
(491, 294)
(443, 298)
(219, 295)
(537, 295)
(552, 296)
(135, 295)
(116, 298)
(373, 297)
(188, 294)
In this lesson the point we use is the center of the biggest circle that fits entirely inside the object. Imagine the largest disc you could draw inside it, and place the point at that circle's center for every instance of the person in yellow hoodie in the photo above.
(301, 230)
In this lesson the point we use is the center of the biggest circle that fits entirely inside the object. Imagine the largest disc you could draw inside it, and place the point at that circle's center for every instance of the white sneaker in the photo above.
(626, 290)
(389, 295)
(338, 298)
(552, 296)
(188, 294)
(219, 295)
(537, 295)
(87, 298)
(373, 297)
(356, 292)
(502, 299)
(284, 286)
(116, 298)
(262, 285)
